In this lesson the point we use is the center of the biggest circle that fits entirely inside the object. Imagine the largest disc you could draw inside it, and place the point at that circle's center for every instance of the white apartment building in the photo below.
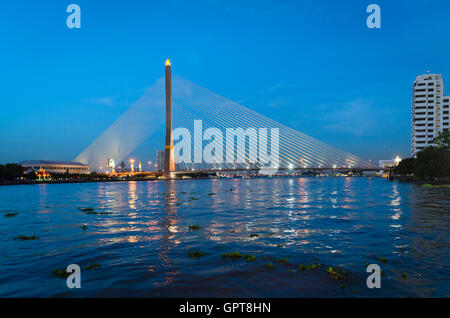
(430, 111)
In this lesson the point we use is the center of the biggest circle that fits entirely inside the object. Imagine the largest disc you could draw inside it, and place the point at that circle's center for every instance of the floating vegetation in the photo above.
(93, 266)
(232, 255)
(194, 227)
(11, 214)
(84, 227)
(282, 260)
(97, 213)
(253, 235)
(183, 192)
(232, 231)
(87, 209)
(382, 259)
(61, 273)
(404, 275)
(250, 258)
(279, 245)
(193, 198)
(336, 273)
(196, 254)
(308, 267)
(270, 265)
(26, 238)
(427, 185)
(231, 189)
(211, 194)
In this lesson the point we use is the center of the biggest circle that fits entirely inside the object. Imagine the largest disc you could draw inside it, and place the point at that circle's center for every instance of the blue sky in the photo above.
(313, 65)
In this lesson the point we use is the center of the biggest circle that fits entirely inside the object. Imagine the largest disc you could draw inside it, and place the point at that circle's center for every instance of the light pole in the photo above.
(132, 165)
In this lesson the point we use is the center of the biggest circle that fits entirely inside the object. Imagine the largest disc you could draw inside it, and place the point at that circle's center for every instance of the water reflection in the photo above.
(142, 237)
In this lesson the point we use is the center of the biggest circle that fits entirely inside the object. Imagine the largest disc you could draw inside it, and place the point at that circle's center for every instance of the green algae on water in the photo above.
(26, 238)
(194, 227)
(196, 254)
(93, 266)
(60, 273)
(11, 214)
(232, 255)
(382, 259)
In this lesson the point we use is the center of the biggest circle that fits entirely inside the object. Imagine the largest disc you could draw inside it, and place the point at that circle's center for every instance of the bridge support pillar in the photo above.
(169, 162)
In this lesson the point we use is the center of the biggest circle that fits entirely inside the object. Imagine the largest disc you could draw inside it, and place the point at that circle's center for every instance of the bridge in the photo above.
(189, 110)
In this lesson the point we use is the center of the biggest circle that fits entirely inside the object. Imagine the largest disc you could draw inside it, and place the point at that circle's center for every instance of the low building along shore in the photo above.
(56, 166)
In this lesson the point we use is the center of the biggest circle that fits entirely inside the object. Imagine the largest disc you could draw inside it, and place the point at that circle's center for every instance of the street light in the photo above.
(132, 165)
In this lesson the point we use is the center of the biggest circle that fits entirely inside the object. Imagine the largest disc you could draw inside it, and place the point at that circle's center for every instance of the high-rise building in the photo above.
(430, 111)
(160, 160)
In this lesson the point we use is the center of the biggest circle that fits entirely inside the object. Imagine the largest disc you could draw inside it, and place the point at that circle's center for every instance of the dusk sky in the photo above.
(312, 65)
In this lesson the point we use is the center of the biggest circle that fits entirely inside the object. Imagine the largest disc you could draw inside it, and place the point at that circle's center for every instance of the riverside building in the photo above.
(430, 111)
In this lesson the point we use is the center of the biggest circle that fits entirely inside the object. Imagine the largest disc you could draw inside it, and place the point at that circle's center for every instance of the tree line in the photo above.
(433, 162)
(10, 172)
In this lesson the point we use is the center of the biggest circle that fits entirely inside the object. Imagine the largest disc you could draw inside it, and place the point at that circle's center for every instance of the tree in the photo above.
(10, 171)
(406, 166)
(443, 140)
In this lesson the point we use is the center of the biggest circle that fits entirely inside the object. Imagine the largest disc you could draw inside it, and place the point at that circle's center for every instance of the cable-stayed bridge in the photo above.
(202, 124)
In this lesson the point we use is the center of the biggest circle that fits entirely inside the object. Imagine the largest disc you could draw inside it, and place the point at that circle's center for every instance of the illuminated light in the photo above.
(291, 167)
(334, 166)
(167, 62)
(397, 160)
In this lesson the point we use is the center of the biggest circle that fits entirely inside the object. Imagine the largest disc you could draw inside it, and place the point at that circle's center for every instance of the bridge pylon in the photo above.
(169, 162)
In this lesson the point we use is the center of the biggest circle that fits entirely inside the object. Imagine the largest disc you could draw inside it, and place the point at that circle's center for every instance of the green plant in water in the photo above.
(282, 260)
(11, 214)
(232, 255)
(61, 273)
(270, 265)
(404, 275)
(26, 238)
(382, 259)
(87, 209)
(253, 235)
(194, 227)
(84, 227)
(335, 273)
(211, 194)
(250, 258)
(93, 266)
(196, 254)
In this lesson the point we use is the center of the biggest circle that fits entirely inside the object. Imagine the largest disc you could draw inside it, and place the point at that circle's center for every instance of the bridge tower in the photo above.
(169, 163)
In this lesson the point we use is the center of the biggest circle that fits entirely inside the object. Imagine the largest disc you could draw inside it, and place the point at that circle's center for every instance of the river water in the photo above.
(139, 236)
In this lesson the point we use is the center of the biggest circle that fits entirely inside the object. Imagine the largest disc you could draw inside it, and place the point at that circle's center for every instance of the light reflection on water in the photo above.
(143, 243)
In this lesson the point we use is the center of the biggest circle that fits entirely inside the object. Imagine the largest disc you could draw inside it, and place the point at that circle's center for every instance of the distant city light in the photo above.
(334, 166)
(290, 167)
